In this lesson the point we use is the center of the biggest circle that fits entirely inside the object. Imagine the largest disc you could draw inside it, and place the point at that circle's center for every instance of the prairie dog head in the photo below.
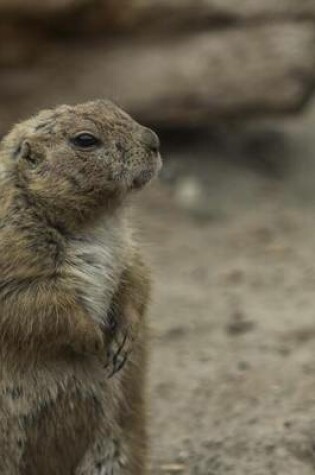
(80, 158)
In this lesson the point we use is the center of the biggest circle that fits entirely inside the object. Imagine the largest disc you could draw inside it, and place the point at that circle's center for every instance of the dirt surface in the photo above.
(230, 230)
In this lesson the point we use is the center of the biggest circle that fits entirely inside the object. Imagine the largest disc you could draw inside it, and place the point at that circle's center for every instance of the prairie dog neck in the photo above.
(95, 259)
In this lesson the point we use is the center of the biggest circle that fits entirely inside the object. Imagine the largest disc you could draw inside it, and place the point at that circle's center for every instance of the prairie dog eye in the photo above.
(85, 140)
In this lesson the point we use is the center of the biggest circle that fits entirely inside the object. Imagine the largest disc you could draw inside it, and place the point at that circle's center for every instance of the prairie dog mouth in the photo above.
(143, 178)
(146, 176)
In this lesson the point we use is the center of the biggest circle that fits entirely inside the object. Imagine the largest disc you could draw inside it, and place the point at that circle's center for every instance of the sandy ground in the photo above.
(230, 232)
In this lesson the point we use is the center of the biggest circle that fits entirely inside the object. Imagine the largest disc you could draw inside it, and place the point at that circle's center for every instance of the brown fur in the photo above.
(73, 294)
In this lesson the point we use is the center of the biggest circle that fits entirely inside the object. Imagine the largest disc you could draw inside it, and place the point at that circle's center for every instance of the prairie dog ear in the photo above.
(24, 152)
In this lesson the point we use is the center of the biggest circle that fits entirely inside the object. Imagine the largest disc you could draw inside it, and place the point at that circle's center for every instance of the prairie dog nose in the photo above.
(150, 139)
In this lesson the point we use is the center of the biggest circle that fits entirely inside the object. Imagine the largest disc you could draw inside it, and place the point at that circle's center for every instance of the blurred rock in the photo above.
(238, 324)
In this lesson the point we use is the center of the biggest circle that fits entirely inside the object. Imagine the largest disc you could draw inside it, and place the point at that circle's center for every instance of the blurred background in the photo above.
(229, 227)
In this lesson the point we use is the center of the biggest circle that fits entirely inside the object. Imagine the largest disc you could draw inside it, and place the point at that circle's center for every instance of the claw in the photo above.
(118, 364)
(121, 346)
(112, 324)
(116, 357)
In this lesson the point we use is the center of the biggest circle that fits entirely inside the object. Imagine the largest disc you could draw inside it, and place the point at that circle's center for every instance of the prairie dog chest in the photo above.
(96, 258)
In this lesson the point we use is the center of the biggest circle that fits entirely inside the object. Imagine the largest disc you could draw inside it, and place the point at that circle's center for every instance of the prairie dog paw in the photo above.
(118, 352)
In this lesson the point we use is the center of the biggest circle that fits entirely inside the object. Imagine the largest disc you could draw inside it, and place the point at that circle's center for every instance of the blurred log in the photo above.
(194, 79)
(144, 15)
(71, 15)
(188, 13)
(252, 67)
(38, 8)
(18, 45)
(258, 8)
(27, 27)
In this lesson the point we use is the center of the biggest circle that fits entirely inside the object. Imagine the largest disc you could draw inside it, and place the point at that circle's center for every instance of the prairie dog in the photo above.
(73, 293)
